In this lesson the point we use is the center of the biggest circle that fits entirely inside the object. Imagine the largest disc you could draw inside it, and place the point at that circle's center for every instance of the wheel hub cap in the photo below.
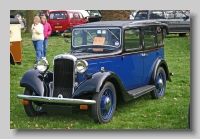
(160, 83)
(107, 103)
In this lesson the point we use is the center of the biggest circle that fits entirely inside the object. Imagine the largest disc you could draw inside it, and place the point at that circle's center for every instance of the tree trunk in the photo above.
(108, 15)
(29, 20)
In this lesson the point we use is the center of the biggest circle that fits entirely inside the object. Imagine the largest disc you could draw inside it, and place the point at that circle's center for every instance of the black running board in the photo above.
(141, 90)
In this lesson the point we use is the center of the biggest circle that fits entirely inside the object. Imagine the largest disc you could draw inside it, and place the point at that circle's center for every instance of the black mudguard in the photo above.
(160, 63)
(95, 82)
(35, 81)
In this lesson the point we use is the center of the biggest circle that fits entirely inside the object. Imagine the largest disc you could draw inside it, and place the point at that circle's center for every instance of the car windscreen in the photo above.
(141, 15)
(96, 37)
(57, 15)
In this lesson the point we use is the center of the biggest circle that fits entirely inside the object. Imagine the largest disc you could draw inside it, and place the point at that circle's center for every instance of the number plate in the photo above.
(58, 26)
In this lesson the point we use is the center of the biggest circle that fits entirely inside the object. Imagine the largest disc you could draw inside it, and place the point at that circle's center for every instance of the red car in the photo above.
(61, 20)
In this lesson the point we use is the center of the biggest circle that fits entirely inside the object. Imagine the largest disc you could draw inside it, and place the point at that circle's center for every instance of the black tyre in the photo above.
(182, 34)
(104, 108)
(32, 109)
(160, 83)
(164, 32)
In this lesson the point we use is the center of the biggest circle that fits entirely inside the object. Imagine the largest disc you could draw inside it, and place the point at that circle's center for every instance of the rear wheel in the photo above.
(182, 34)
(32, 108)
(164, 32)
(160, 84)
(104, 108)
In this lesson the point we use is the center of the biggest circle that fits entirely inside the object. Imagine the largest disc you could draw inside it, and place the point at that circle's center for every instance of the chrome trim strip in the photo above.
(66, 56)
(56, 100)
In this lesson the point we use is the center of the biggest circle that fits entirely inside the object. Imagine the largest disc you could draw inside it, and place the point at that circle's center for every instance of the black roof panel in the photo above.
(121, 23)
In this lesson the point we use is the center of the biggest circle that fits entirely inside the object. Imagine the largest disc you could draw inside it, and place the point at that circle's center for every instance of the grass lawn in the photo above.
(170, 112)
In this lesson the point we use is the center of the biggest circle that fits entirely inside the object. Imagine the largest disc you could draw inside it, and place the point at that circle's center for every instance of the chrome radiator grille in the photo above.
(63, 77)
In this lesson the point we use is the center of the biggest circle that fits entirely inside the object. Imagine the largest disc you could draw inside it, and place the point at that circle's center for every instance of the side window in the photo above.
(76, 16)
(71, 15)
(149, 37)
(81, 16)
(156, 15)
(132, 39)
(159, 36)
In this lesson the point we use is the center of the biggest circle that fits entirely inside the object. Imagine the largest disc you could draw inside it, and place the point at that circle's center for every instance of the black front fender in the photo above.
(95, 82)
(33, 80)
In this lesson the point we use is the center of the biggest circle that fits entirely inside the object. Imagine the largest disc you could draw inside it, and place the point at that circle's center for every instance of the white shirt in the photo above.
(37, 32)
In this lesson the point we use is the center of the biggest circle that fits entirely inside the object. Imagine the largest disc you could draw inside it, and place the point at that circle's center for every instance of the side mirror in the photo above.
(187, 17)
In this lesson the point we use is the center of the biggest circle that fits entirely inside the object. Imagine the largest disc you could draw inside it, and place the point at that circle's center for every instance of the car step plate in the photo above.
(141, 90)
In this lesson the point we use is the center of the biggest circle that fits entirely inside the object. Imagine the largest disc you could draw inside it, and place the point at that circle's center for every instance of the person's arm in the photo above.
(39, 29)
(49, 30)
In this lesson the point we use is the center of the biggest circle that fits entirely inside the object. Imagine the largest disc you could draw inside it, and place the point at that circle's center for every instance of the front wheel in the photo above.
(104, 108)
(32, 108)
(160, 84)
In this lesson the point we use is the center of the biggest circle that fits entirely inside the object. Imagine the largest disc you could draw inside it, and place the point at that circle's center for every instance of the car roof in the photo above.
(64, 10)
(122, 23)
(14, 21)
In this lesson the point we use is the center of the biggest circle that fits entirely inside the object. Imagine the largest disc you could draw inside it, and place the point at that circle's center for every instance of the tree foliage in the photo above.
(23, 12)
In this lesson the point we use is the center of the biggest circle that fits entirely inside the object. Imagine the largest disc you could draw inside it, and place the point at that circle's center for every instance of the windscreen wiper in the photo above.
(112, 33)
(88, 33)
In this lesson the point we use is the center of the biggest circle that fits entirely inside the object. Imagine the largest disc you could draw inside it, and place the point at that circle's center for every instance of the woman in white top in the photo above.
(38, 37)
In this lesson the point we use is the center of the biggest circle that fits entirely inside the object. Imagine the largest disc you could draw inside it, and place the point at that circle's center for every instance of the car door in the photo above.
(183, 22)
(171, 21)
(77, 19)
(150, 53)
(72, 19)
(132, 60)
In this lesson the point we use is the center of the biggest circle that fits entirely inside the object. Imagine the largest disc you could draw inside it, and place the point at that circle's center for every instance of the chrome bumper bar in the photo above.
(56, 100)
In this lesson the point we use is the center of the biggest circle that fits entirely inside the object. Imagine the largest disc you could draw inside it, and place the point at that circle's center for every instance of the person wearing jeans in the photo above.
(37, 37)
(47, 33)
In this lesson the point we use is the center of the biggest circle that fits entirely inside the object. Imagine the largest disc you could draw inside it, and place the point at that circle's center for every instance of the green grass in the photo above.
(170, 112)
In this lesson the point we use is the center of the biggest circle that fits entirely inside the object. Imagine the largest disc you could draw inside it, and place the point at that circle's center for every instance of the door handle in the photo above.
(144, 54)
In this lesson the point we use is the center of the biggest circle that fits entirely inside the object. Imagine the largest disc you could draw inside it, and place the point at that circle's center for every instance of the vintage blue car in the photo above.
(108, 60)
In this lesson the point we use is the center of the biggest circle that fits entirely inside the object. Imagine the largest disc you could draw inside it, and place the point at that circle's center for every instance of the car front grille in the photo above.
(63, 77)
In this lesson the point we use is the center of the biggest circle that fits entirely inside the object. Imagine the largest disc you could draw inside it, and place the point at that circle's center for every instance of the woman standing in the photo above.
(47, 33)
(38, 37)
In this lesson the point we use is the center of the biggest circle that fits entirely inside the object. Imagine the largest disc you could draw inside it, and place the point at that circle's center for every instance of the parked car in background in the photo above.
(178, 21)
(107, 62)
(15, 41)
(61, 20)
(132, 15)
(94, 16)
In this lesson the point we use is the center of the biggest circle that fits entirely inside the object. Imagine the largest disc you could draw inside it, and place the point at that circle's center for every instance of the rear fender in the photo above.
(160, 63)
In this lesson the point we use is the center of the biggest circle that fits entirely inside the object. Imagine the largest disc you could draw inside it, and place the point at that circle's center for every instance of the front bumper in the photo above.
(56, 100)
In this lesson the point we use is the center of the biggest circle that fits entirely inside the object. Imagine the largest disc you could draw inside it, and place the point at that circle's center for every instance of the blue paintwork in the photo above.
(129, 68)
(134, 70)
(149, 63)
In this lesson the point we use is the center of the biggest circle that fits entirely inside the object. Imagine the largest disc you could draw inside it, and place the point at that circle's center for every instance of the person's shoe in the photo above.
(43, 57)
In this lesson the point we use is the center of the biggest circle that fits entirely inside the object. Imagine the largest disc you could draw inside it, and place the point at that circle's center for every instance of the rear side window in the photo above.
(76, 16)
(80, 15)
(157, 15)
(58, 15)
(141, 15)
(149, 37)
(71, 15)
(159, 36)
(132, 39)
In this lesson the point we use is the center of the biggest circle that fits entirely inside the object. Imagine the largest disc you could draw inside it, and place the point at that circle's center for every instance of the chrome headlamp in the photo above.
(42, 65)
(81, 66)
